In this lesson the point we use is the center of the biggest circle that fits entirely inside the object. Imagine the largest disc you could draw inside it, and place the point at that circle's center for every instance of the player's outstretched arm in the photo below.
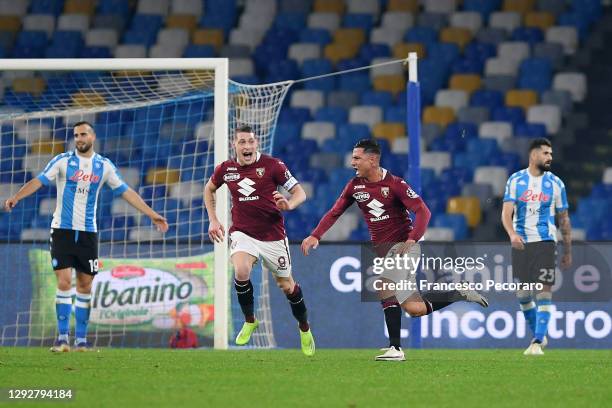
(216, 231)
(28, 189)
(506, 218)
(137, 202)
(298, 196)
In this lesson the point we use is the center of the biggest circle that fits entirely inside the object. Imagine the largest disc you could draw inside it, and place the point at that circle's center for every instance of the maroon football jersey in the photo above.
(384, 205)
(254, 210)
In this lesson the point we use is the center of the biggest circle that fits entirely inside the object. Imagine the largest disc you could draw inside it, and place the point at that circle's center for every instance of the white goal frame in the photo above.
(221, 151)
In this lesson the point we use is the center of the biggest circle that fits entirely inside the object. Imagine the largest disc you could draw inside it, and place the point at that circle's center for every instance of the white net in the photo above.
(157, 128)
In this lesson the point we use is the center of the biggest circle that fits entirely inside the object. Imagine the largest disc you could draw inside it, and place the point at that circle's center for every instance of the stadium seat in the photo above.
(324, 20)
(550, 51)
(206, 36)
(409, 6)
(495, 130)
(437, 161)
(468, 206)
(455, 35)
(398, 20)
(101, 37)
(162, 176)
(456, 222)
(48, 146)
(506, 20)
(519, 6)
(523, 98)
(442, 234)
(186, 192)
(336, 52)
(130, 51)
(467, 19)
(513, 51)
(183, 21)
(369, 115)
(39, 22)
(501, 83)
(329, 6)
(438, 115)
(240, 67)
(452, 98)
(303, 51)
(549, 115)
(363, 7)
(390, 83)
(389, 36)
(435, 21)
(574, 82)
(566, 36)
(250, 37)
(186, 7)
(473, 114)
(465, 82)
(388, 70)
(319, 131)
(483, 192)
(34, 86)
(493, 175)
(389, 131)
(160, 7)
(86, 7)
(313, 100)
(402, 49)
(607, 176)
(343, 99)
(73, 22)
(539, 19)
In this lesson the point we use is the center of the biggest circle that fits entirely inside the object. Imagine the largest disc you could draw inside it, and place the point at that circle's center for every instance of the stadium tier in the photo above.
(493, 75)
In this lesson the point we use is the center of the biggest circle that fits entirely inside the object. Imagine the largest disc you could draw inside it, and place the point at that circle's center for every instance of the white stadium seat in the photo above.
(368, 115)
(325, 21)
(310, 99)
(241, 67)
(507, 20)
(101, 37)
(397, 20)
(496, 176)
(499, 131)
(467, 19)
(574, 82)
(130, 51)
(452, 98)
(303, 51)
(438, 161)
(549, 115)
(73, 22)
(387, 35)
(39, 22)
(567, 36)
(159, 7)
(439, 234)
(319, 131)
(440, 6)
(513, 51)
(193, 7)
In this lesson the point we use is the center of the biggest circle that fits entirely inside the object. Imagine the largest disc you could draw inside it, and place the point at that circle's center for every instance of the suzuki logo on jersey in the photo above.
(531, 196)
(246, 190)
(80, 175)
(361, 196)
(377, 210)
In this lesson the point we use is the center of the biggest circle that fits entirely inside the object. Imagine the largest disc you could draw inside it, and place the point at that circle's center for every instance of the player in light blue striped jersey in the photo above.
(534, 199)
(79, 176)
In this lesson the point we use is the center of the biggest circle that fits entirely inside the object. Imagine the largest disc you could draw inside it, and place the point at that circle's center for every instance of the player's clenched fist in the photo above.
(281, 202)
(216, 232)
(308, 243)
(10, 204)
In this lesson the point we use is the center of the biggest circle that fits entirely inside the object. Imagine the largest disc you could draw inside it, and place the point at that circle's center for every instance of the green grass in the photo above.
(337, 378)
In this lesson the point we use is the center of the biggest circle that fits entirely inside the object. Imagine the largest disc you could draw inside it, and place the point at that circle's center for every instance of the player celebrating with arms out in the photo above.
(78, 175)
(257, 227)
(533, 197)
(385, 200)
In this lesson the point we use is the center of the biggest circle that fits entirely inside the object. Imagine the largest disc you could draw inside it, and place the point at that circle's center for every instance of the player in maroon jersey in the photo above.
(385, 201)
(257, 227)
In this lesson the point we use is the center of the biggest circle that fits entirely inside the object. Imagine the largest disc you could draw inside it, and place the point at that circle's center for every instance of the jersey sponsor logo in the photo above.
(411, 193)
(246, 189)
(384, 191)
(260, 171)
(231, 177)
(80, 175)
(377, 210)
(231, 169)
(531, 196)
(361, 196)
(82, 190)
(358, 186)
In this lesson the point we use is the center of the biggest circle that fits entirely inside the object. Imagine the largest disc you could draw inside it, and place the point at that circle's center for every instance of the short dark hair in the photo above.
(368, 146)
(244, 129)
(81, 123)
(539, 142)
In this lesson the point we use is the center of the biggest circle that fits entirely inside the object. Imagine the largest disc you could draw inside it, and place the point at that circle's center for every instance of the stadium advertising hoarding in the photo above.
(133, 296)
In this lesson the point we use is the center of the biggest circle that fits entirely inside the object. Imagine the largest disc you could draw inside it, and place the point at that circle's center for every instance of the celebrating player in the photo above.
(385, 200)
(78, 175)
(257, 228)
(533, 197)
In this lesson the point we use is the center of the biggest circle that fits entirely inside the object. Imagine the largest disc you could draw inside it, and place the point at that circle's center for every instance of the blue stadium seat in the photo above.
(363, 21)
(54, 7)
(484, 7)
(511, 161)
(425, 35)
(337, 145)
(357, 82)
(536, 74)
(468, 160)
(480, 51)
(294, 115)
(119, 7)
(353, 132)
(445, 53)
(456, 175)
(530, 35)
(514, 115)
(456, 222)
(96, 52)
(395, 114)
(218, 19)
(486, 147)
(335, 114)
(467, 66)
(379, 98)
(199, 51)
(370, 51)
(487, 99)
(530, 130)
(315, 35)
(290, 20)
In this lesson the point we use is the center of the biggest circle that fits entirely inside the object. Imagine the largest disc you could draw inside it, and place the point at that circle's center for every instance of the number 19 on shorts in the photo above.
(93, 265)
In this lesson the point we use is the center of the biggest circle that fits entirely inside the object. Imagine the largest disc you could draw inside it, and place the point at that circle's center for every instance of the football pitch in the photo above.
(334, 378)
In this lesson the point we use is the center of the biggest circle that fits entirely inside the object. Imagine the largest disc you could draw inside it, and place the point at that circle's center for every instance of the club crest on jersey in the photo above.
(384, 191)
(260, 171)
(231, 177)
(361, 196)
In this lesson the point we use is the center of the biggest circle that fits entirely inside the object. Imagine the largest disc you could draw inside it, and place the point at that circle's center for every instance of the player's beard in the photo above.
(85, 148)
(544, 166)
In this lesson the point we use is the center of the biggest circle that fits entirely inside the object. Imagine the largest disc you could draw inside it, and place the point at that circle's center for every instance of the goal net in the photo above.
(164, 124)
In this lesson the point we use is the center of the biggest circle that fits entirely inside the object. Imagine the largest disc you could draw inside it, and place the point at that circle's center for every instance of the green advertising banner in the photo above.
(133, 295)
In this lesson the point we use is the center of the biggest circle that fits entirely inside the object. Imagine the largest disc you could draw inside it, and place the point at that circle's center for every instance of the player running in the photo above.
(78, 175)
(257, 228)
(533, 197)
(385, 201)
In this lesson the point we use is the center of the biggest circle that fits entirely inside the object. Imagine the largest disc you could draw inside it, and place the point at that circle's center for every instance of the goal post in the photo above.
(134, 99)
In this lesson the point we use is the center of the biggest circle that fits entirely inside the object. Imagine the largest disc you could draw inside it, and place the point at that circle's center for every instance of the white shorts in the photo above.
(405, 275)
(274, 254)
